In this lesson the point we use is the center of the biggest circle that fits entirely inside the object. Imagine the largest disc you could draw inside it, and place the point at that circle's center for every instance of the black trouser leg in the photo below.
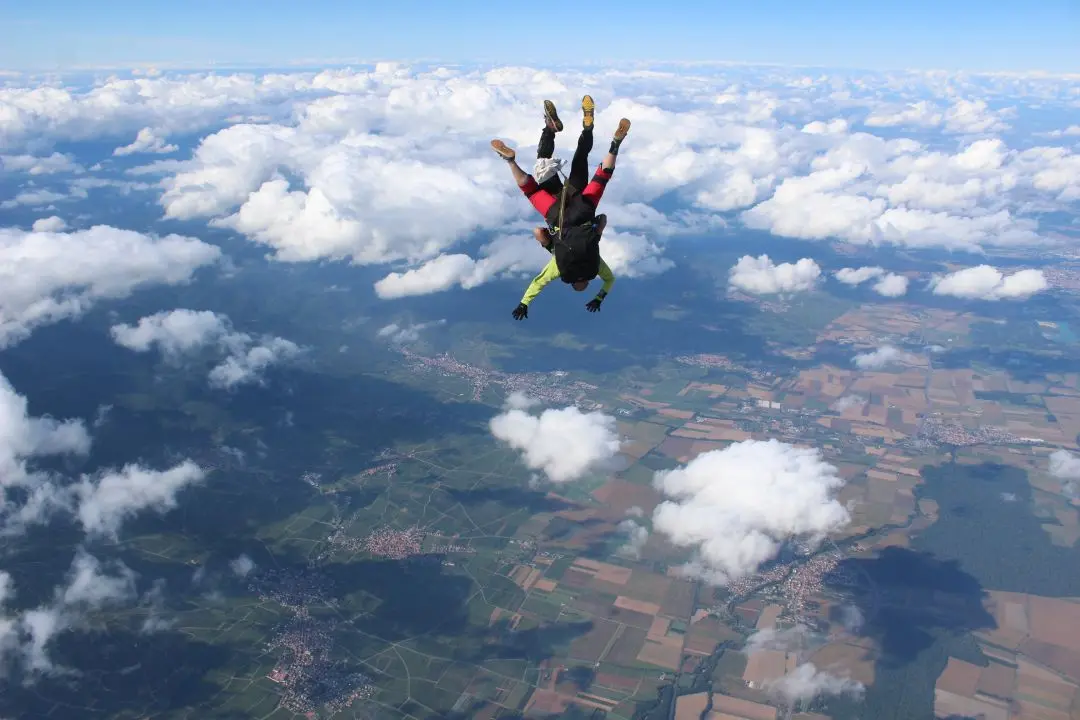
(546, 149)
(579, 166)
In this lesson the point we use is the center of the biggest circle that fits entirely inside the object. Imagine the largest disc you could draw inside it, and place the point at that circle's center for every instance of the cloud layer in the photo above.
(390, 164)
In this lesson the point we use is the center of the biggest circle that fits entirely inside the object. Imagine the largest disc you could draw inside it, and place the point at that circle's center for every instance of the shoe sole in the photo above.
(588, 107)
(549, 112)
(504, 152)
(624, 127)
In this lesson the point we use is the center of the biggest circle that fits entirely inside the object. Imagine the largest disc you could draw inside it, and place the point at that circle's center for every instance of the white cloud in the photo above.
(888, 284)
(797, 638)
(882, 357)
(760, 276)
(25, 637)
(24, 438)
(242, 565)
(247, 365)
(32, 165)
(847, 402)
(177, 333)
(391, 165)
(36, 198)
(891, 285)
(49, 225)
(735, 507)
(628, 255)
(851, 617)
(147, 141)
(985, 282)
(408, 334)
(963, 116)
(807, 682)
(636, 537)
(106, 501)
(857, 276)
(804, 682)
(49, 276)
(1066, 467)
(99, 503)
(564, 443)
(1071, 131)
(1063, 464)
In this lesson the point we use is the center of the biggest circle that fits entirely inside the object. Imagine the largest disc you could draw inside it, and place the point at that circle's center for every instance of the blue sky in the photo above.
(945, 34)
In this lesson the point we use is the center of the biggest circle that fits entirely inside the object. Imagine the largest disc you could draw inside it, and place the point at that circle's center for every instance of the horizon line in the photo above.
(345, 63)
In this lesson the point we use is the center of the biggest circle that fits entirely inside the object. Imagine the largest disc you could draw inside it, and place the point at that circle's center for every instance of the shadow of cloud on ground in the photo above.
(535, 644)
(415, 597)
(532, 500)
(122, 674)
(907, 598)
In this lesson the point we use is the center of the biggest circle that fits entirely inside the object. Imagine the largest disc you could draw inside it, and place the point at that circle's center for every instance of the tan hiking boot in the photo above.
(588, 108)
(552, 117)
(506, 153)
(620, 132)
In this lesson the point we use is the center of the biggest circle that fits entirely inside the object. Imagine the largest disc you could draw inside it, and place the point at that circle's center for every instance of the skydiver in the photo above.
(576, 249)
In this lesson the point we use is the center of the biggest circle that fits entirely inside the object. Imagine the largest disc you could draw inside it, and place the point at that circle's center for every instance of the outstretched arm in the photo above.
(609, 279)
(549, 273)
(607, 276)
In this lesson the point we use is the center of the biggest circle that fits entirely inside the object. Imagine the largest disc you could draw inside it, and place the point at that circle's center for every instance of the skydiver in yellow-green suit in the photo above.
(574, 247)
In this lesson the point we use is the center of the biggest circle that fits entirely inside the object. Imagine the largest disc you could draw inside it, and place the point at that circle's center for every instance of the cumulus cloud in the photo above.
(891, 285)
(636, 537)
(99, 503)
(402, 335)
(391, 164)
(175, 333)
(984, 282)
(106, 501)
(564, 443)
(857, 276)
(147, 141)
(179, 333)
(1066, 467)
(807, 682)
(882, 357)
(29, 496)
(887, 283)
(735, 507)
(847, 402)
(49, 276)
(1071, 131)
(242, 565)
(33, 165)
(629, 255)
(249, 363)
(49, 225)
(962, 116)
(760, 276)
(851, 617)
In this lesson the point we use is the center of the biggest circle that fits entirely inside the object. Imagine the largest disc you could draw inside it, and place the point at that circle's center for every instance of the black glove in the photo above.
(593, 305)
(521, 311)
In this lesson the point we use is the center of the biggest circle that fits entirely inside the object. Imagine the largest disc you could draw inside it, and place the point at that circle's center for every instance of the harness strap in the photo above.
(562, 203)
